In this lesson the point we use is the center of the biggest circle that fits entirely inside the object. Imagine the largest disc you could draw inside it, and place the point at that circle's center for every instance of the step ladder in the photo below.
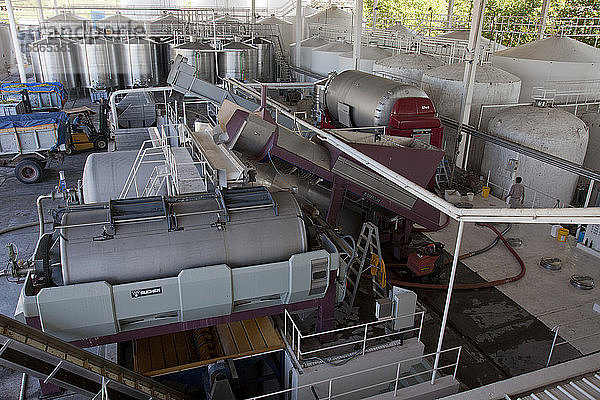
(54, 361)
(367, 249)
(441, 174)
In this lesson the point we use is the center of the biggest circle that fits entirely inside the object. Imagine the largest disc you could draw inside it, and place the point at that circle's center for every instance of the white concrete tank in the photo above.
(406, 67)
(551, 130)
(368, 56)
(592, 156)
(551, 59)
(444, 85)
(306, 48)
(286, 29)
(332, 16)
(324, 59)
(464, 35)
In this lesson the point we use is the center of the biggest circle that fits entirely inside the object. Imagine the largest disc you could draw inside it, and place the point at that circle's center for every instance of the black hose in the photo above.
(488, 247)
(17, 227)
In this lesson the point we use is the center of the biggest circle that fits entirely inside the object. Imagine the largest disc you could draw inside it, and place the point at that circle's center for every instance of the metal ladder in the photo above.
(54, 361)
(367, 245)
(441, 174)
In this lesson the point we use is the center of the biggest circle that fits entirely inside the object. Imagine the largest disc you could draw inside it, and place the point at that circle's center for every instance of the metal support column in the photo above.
(471, 60)
(374, 17)
(40, 12)
(543, 19)
(15, 39)
(298, 30)
(253, 10)
(358, 22)
(450, 19)
(459, 235)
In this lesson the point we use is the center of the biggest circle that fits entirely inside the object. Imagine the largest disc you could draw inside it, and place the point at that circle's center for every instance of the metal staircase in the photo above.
(584, 388)
(367, 249)
(54, 361)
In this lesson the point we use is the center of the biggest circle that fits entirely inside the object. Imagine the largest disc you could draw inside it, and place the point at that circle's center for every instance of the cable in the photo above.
(439, 228)
(17, 227)
(345, 359)
(470, 286)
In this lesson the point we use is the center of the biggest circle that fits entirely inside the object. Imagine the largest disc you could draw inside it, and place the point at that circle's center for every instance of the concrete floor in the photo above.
(547, 295)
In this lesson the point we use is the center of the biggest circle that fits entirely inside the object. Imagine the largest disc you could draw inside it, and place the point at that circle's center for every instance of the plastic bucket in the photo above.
(562, 235)
(470, 196)
(485, 192)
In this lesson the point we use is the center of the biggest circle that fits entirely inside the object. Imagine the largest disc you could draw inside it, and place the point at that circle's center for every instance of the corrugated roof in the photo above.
(554, 48)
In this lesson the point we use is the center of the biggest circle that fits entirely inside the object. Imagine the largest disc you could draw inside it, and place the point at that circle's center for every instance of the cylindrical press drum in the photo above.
(142, 251)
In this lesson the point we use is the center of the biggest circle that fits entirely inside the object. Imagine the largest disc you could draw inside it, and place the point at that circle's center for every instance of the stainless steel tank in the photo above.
(140, 62)
(98, 58)
(55, 60)
(369, 97)
(7, 52)
(143, 251)
(201, 56)
(239, 61)
(265, 59)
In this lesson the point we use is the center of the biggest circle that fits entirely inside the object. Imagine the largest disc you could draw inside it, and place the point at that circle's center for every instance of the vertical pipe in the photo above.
(543, 18)
(253, 10)
(588, 197)
(40, 12)
(450, 19)
(298, 30)
(15, 39)
(471, 60)
(55, 7)
(358, 21)
(459, 235)
(374, 16)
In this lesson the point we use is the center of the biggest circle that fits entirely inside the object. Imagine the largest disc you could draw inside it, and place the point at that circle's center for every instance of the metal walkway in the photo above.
(54, 361)
(585, 388)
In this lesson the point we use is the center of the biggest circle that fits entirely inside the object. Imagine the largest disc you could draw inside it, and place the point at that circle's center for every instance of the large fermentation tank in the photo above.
(286, 29)
(120, 24)
(370, 98)
(551, 130)
(325, 58)
(7, 52)
(265, 59)
(400, 29)
(407, 68)
(145, 251)
(368, 56)
(306, 48)
(201, 56)
(66, 24)
(551, 59)
(100, 62)
(332, 16)
(55, 60)
(239, 61)
(592, 156)
(140, 62)
(166, 24)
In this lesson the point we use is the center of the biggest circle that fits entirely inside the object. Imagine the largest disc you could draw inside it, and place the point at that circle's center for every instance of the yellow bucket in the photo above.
(562, 235)
(485, 192)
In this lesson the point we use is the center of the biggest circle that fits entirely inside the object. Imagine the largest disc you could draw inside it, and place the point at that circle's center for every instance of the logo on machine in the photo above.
(424, 107)
(371, 197)
(145, 292)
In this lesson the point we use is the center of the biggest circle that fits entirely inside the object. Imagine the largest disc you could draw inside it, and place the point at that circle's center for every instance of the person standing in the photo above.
(516, 194)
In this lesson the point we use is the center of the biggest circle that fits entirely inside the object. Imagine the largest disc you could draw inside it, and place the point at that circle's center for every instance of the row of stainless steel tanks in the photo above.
(101, 62)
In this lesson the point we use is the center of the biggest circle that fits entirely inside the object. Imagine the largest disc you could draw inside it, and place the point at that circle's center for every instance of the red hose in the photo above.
(439, 228)
(470, 286)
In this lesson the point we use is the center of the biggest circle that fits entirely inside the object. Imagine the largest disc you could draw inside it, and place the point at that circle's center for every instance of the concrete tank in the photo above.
(592, 156)
(551, 130)
(332, 16)
(406, 67)
(551, 59)
(55, 60)
(286, 29)
(371, 98)
(199, 55)
(368, 56)
(145, 251)
(324, 59)
(306, 48)
(400, 29)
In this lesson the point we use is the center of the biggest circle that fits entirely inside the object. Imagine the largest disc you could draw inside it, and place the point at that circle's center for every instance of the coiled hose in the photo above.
(470, 286)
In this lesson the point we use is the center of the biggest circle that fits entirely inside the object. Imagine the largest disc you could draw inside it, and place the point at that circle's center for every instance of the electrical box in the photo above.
(512, 165)
(591, 240)
(383, 308)
(404, 305)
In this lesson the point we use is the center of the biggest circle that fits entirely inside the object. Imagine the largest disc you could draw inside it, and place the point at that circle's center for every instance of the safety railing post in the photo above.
(396, 381)
(364, 347)
(553, 344)
(457, 361)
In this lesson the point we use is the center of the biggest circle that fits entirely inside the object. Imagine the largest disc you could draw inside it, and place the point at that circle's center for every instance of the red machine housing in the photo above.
(415, 116)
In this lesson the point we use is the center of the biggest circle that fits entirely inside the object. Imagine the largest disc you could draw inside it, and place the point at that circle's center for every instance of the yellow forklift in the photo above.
(83, 133)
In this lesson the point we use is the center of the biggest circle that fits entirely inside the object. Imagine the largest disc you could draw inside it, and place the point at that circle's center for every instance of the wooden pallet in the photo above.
(174, 352)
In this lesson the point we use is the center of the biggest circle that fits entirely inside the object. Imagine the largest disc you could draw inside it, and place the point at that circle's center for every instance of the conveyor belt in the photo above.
(54, 361)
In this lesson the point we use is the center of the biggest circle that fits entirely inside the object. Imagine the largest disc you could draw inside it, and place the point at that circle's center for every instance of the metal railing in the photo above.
(556, 342)
(331, 391)
(296, 337)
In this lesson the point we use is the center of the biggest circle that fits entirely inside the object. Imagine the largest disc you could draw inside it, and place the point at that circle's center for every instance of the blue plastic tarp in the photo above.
(38, 119)
(44, 87)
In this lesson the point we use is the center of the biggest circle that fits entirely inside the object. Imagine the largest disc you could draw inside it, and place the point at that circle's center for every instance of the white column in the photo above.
(15, 40)
(358, 21)
(55, 7)
(253, 10)
(298, 30)
(40, 12)
(459, 235)
(471, 60)
(543, 18)
(450, 13)
(374, 17)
